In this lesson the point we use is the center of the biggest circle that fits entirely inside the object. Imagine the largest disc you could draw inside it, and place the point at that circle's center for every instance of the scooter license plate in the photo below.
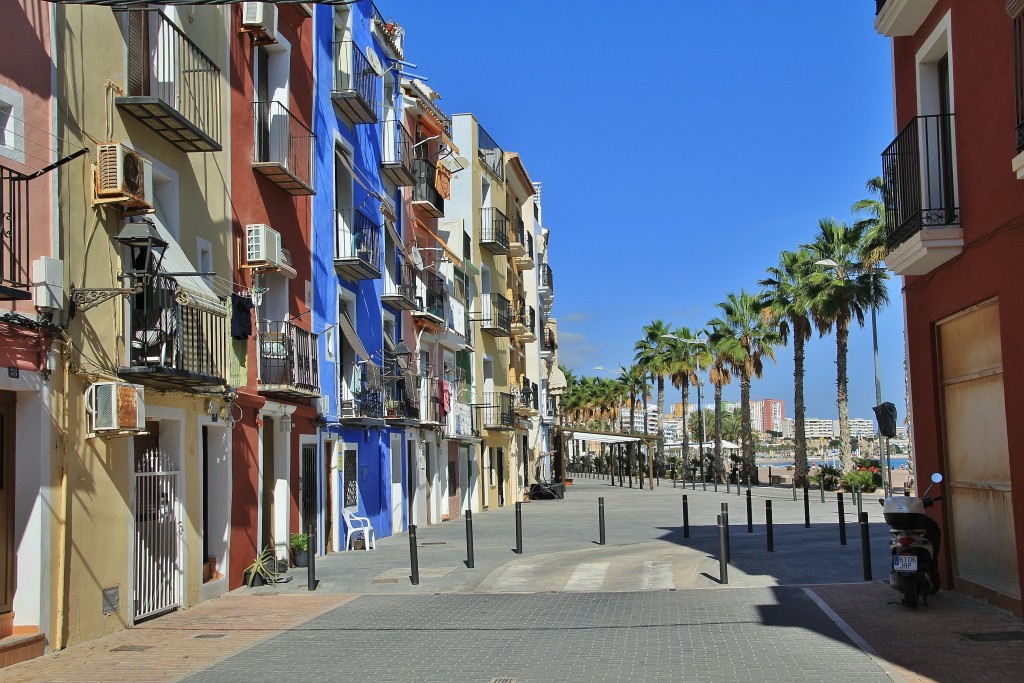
(904, 563)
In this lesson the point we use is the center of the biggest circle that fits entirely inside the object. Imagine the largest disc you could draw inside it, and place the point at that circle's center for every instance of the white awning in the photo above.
(349, 330)
(708, 445)
(199, 292)
(605, 438)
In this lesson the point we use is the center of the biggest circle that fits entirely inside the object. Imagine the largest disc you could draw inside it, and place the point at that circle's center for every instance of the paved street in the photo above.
(646, 606)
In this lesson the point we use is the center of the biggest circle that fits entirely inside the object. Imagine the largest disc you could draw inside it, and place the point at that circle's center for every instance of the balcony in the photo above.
(524, 323)
(401, 404)
(431, 293)
(459, 423)
(524, 261)
(490, 154)
(400, 292)
(546, 284)
(550, 414)
(517, 244)
(362, 402)
(396, 159)
(495, 315)
(548, 344)
(354, 91)
(901, 17)
(498, 413)
(283, 149)
(15, 283)
(356, 245)
(391, 34)
(494, 231)
(174, 345)
(527, 404)
(923, 219)
(430, 401)
(173, 87)
(288, 356)
(424, 191)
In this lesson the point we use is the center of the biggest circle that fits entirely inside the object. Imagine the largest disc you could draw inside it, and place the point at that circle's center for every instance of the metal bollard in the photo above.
(859, 497)
(865, 545)
(807, 508)
(414, 559)
(600, 518)
(750, 514)
(311, 554)
(519, 528)
(686, 518)
(728, 485)
(821, 488)
(723, 551)
(725, 521)
(842, 518)
(768, 526)
(769, 475)
(794, 486)
(469, 539)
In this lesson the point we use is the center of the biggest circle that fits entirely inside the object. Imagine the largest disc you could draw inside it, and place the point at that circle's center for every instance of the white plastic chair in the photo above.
(358, 525)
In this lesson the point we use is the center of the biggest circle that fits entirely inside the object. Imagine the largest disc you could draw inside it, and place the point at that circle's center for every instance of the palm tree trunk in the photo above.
(745, 428)
(686, 426)
(718, 430)
(661, 427)
(629, 463)
(800, 433)
(842, 398)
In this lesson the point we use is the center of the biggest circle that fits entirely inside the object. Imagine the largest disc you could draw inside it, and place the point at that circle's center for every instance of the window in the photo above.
(204, 260)
(12, 124)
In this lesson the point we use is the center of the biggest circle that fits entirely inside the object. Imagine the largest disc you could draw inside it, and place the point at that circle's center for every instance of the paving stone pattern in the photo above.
(743, 634)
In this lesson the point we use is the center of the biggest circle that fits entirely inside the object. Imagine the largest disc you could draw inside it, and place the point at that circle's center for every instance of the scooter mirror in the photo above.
(936, 478)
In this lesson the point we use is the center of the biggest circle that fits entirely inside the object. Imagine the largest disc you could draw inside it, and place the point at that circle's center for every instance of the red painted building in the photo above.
(954, 211)
(274, 351)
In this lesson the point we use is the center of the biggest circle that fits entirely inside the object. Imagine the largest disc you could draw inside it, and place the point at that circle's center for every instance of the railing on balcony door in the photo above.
(526, 316)
(498, 410)
(529, 246)
(490, 153)
(494, 229)
(430, 399)
(369, 393)
(547, 278)
(288, 356)
(401, 283)
(425, 187)
(433, 294)
(283, 140)
(164, 63)
(164, 333)
(548, 343)
(14, 256)
(918, 170)
(397, 147)
(355, 82)
(357, 237)
(396, 401)
(495, 313)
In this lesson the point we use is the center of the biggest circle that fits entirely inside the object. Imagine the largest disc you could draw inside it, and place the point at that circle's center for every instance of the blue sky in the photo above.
(682, 144)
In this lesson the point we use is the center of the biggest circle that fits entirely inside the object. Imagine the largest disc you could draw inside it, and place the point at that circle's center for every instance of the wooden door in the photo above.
(6, 502)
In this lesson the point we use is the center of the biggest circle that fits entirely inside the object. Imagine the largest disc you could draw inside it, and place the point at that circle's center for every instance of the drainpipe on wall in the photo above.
(60, 638)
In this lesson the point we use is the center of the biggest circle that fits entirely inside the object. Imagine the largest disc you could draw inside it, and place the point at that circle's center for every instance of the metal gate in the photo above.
(157, 533)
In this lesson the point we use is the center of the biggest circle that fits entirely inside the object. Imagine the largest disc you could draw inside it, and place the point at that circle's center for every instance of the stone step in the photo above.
(21, 647)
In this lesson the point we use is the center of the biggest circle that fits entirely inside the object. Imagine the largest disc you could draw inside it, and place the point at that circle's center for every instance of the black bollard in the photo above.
(768, 525)
(686, 518)
(769, 475)
(414, 559)
(519, 528)
(807, 508)
(469, 539)
(750, 514)
(311, 554)
(728, 485)
(723, 551)
(865, 545)
(842, 518)
(859, 497)
(725, 521)
(600, 518)
(714, 473)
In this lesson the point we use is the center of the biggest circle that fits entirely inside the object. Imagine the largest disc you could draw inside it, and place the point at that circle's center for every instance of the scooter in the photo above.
(915, 545)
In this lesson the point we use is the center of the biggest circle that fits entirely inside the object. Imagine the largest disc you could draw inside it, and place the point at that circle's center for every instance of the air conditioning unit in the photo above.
(260, 19)
(115, 407)
(263, 246)
(48, 283)
(123, 176)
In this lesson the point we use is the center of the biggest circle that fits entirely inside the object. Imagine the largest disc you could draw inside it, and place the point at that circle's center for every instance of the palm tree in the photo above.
(874, 249)
(634, 382)
(786, 305)
(841, 290)
(652, 355)
(719, 376)
(682, 371)
(745, 338)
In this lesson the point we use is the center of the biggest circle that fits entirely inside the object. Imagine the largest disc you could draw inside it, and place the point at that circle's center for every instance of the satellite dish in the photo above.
(374, 61)
(417, 259)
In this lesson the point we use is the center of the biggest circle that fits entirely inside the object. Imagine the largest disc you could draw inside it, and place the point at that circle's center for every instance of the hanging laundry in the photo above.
(241, 316)
(444, 395)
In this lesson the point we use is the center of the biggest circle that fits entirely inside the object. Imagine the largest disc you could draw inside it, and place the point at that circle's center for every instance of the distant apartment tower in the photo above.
(815, 428)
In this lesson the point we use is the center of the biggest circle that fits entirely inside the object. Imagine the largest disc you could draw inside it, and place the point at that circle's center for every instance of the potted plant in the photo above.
(262, 571)
(300, 549)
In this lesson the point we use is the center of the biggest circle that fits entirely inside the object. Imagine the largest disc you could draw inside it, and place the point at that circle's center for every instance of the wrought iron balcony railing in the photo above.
(431, 293)
(397, 404)
(919, 174)
(400, 286)
(495, 315)
(14, 257)
(356, 245)
(494, 230)
(172, 344)
(424, 191)
(498, 411)
(492, 156)
(354, 91)
(547, 281)
(548, 344)
(524, 322)
(460, 422)
(430, 400)
(396, 159)
(289, 360)
(284, 148)
(173, 87)
(529, 396)
(364, 403)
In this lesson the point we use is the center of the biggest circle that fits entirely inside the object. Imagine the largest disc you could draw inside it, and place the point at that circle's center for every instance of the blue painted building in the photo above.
(363, 156)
